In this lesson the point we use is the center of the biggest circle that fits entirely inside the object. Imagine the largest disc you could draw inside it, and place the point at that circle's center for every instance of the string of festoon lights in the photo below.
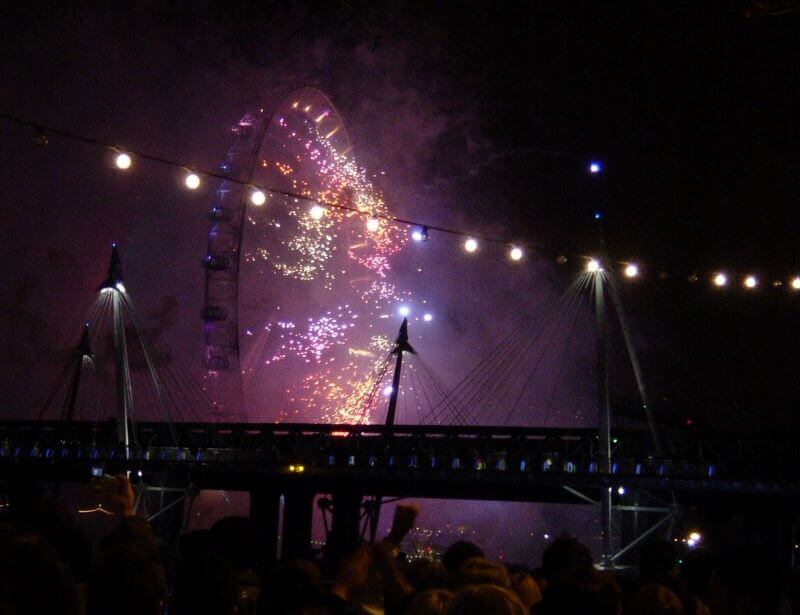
(123, 160)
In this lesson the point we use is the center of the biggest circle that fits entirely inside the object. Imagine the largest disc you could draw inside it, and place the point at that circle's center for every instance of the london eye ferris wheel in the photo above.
(299, 280)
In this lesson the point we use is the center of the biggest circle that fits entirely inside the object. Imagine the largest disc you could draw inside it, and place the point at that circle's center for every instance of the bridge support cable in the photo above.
(151, 367)
(443, 399)
(377, 376)
(479, 369)
(564, 354)
(489, 394)
(487, 387)
(491, 379)
(50, 402)
(135, 370)
(125, 409)
(71, 374)
(634, 359)
(544, 347)
(488, 369)
(179, 389)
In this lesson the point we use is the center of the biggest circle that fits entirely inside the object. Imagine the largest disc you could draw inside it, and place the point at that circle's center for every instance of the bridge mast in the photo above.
(604, 414)
(401, 346)
(113, 284)
(82, 352)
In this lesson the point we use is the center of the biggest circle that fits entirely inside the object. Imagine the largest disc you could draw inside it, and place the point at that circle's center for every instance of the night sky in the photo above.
(476, 116)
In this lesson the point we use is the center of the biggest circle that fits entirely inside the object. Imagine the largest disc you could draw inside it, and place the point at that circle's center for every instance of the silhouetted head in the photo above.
(431, 602)
(658, 562)
(291, 587)
(526, 589)
(655, 599)
(237, 539)
(458, 553)
(483, 599)
(480, 571)
(566, 561)
(205, 585)
(424, 574)
(127, 581)
(33, 579)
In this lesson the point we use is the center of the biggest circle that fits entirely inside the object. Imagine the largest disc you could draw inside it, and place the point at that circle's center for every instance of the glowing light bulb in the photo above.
(515, 254)
(695, 536)
(470, 245)
(123, 161)
(258, 197)
(631, 271)
(373, 225)
(621, 490)
(316, 212)
(404, 310)
(593, 266)
(720, 279)
(427, 317)
(192, 181)
(387, 390)
(796, 283)
(750, 282)
(420, 234)
(120, 287)
(595, 167)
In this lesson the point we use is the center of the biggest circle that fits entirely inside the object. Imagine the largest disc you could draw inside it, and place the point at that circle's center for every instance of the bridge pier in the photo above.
(265, 514)
(297, 514)
(345, 532)
(636, 519)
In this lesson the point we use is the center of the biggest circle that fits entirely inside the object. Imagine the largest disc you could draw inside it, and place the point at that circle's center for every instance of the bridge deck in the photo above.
(498, 463)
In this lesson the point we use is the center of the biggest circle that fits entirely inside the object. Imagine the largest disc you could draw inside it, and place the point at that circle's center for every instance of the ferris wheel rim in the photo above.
(222, 266)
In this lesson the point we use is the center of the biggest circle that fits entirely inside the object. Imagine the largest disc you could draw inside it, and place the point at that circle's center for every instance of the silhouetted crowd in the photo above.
(49, 567)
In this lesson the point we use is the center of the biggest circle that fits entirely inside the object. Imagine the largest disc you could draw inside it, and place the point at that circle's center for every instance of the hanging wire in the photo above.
(793, 282)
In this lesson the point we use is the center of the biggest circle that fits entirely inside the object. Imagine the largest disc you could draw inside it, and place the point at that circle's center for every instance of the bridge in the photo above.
(473, 462)
(299, 461)
(356, 466)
